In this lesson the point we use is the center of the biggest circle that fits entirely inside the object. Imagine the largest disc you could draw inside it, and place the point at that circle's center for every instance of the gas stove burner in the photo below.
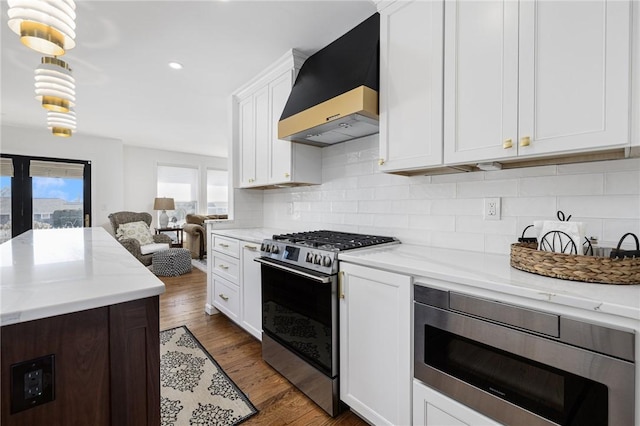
(333, 240)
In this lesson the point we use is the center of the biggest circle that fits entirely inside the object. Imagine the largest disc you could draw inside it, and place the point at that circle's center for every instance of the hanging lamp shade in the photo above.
(61, 124)
(55, 86)
(46, 26)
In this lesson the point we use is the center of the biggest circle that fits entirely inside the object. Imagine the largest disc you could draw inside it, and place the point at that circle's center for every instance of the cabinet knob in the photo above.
(251, 180)
(287, 175)
(525, 141)
(223, 267)
(508, 143)
(223, 245)
(380, 161)
(223, 297)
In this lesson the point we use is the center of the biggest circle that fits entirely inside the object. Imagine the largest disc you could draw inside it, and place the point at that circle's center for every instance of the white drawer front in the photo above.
(225, 245)
(226, 298)
(226, 266)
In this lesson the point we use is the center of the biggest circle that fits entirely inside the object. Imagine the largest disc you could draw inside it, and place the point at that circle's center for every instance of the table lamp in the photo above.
(164, 204)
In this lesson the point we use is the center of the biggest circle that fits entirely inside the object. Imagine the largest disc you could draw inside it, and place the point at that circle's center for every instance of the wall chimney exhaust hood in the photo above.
(335, 97)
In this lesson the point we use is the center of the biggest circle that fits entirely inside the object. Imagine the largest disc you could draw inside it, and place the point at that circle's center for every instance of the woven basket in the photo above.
(526, 257)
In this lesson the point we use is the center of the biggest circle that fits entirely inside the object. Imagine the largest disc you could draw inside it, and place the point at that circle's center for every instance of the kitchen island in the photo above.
(78, 310)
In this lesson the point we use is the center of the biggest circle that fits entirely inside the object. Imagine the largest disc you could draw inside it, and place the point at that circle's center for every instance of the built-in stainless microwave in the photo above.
(520, 366)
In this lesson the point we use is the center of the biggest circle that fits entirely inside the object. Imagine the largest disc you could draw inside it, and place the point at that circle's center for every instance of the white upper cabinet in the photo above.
(263, 159)
(535, 78)
(411, 87)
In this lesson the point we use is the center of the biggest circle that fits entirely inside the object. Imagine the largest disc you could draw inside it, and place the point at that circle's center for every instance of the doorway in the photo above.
(43, 193)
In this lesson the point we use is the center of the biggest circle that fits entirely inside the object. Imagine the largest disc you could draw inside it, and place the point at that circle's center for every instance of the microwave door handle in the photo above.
(320, 279)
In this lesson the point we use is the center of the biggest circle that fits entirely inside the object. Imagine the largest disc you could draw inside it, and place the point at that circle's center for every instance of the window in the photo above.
(217, 192)
(181, 184)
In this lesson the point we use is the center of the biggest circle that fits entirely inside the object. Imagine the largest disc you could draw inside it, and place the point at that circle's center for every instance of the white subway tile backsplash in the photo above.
(619, 183)
(493, 188)
(435, 223)
(583, 184)
(447, 210)
(609, 206)
(544, 207)
(432, 190)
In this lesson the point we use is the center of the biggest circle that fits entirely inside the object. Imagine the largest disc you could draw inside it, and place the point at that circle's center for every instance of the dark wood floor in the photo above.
(239, 354)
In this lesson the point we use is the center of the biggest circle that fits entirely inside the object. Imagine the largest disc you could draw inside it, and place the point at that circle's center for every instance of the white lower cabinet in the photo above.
(234, 281)
(251, 289)
(375, 344)
(431, 408)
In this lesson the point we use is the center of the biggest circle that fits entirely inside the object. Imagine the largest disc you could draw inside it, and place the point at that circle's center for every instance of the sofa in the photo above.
(194, 234)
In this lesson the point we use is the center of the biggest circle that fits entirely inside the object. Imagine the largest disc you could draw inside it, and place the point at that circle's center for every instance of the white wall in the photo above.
(140, 174)
(446, 211)
(105, 155)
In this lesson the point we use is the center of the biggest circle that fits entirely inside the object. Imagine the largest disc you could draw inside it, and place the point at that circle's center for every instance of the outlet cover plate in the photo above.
(492, 207)
(32, 383)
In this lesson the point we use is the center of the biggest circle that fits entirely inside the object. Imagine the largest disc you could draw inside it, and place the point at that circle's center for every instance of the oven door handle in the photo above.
(320, 279)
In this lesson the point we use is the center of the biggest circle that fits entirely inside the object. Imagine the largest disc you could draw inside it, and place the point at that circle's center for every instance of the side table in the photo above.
(179, 235)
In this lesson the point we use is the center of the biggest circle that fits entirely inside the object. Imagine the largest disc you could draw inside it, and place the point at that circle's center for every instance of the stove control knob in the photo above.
(309, 258)
(316, 259)
(275, 249)
(263, 247)
(326, 261)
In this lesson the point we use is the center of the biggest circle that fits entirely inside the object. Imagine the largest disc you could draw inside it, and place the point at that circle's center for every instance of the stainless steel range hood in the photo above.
(335, 97)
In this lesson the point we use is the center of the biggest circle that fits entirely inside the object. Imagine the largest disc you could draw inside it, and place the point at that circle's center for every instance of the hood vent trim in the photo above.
(335, 98)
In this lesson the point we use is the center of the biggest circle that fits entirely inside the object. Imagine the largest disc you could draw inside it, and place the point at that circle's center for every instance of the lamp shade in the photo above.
(55, 86)
(45, 26)
(164, 204)
(61, 123)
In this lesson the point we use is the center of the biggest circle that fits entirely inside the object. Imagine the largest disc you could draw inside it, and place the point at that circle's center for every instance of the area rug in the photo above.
(200, 264)
(194, 390)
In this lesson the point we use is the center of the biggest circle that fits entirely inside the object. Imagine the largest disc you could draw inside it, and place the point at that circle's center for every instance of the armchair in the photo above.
(131, 244)
(194, 234)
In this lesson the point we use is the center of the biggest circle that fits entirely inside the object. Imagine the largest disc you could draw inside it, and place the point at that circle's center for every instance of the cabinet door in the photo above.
(375, 344)
(280, 153)
(480, 80)
(251, 290)
(247, 140)
(574, 75)
(262, 127)
(431, 408)
(411, 54)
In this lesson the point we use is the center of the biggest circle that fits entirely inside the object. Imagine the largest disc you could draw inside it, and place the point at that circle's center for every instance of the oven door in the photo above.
(300, 311)
(519, 378)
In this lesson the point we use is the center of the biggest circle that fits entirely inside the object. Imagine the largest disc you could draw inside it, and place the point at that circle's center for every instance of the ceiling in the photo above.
(124, 86)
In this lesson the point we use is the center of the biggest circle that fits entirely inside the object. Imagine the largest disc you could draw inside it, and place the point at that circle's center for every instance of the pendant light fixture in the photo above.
(61, 123)
(46, 26)
(55, 86)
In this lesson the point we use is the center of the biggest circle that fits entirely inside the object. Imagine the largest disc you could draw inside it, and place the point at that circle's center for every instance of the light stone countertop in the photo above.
(253, 235)
(492, 273)
(53, 272)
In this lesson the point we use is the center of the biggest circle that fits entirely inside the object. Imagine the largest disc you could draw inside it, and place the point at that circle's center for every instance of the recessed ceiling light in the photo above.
(175, 65)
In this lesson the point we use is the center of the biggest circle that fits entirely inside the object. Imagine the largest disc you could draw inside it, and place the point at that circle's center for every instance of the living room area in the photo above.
(128, 178)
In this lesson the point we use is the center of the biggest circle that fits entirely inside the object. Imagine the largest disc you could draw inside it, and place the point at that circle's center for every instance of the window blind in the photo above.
(55, 169)
(6, 167)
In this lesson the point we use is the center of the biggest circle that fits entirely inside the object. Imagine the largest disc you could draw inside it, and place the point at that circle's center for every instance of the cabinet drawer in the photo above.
(225, 245)
(225, 266)
(226, 298)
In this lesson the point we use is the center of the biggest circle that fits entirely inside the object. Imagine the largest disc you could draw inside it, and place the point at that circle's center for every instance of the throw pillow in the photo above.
(137, 230)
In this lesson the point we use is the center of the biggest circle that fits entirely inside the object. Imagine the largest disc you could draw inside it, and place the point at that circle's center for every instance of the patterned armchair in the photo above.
(131, 244)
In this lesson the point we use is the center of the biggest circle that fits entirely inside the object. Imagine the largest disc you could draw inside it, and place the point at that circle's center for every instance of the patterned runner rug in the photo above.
(194, 390)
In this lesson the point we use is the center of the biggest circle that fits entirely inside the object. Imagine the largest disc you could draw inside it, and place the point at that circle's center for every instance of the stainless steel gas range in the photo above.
(300, 308)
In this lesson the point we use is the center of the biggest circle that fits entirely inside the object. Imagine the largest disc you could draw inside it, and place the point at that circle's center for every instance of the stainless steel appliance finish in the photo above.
(520, 366)
(300, 308)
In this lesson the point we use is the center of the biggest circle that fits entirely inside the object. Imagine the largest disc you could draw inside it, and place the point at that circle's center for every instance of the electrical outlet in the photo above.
(32, 383)
(492, 209)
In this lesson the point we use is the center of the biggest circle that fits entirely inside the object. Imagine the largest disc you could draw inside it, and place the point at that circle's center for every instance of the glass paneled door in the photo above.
(44, 193)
